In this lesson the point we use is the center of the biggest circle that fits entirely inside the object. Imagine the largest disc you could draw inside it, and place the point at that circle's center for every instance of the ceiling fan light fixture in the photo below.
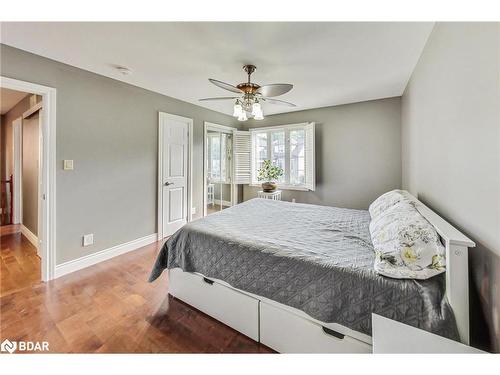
(256, 108)
(238, 110)
(258, 116)
(242, 116)
(250, 95)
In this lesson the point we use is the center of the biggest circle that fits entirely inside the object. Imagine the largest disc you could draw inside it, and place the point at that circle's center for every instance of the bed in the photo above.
(300, 277)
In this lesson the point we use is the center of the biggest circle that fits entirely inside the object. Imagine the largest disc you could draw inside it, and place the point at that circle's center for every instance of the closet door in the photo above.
(175, 141)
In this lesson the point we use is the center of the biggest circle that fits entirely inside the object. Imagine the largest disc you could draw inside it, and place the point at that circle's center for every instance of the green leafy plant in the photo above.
(269, 172)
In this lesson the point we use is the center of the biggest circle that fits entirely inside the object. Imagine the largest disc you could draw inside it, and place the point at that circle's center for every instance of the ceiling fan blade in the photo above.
(225, 86)
(220, 98)
(275, 89)
(280, 102)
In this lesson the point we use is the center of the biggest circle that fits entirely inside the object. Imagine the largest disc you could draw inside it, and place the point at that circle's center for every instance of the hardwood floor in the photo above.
(19, 263)
(213, 208)
(106, 308)
(10, 228)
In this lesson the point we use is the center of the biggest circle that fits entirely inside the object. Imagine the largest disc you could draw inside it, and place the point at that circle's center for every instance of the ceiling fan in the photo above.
(251, 94)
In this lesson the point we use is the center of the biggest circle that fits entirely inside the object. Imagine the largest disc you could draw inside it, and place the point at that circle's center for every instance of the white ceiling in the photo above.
(9, 98)
(328, 63)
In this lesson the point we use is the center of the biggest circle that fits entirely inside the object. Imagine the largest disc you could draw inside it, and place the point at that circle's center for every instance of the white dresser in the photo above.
(274, 195)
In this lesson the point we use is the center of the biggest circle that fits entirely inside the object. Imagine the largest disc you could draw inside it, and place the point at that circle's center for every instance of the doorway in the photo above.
(174, 173)
(21, 169)
(28, 164)
(218, 166)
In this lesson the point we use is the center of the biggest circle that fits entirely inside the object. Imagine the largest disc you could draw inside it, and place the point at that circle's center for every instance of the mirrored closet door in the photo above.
(218, 168)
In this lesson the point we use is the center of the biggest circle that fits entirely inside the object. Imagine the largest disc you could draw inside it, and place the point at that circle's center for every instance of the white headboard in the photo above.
(457, 269)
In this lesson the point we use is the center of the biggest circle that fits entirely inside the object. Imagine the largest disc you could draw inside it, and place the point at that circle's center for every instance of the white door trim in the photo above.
(47, 206)
(32, 110)
(17, 146)
(160, 170)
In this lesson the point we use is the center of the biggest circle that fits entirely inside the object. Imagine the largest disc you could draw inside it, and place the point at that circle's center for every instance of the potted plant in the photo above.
(269, 173)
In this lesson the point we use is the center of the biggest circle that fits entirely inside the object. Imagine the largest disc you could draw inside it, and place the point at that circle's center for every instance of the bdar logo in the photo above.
(8, 346)
(24, 346)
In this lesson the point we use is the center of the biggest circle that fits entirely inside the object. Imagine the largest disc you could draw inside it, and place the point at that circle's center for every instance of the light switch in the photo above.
(68, 165)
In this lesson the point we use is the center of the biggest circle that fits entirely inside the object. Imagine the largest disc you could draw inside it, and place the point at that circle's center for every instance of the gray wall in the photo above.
(30, 172)
(451, 152)
(110, 130)
(358, 152)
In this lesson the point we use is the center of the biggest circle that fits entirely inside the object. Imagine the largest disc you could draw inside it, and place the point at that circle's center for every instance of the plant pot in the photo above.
(269, 187)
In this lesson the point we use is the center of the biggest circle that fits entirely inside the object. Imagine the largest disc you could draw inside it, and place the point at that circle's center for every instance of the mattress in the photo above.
(317, 259)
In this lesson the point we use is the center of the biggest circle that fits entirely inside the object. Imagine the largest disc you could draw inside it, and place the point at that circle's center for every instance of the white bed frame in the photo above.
(289, 330)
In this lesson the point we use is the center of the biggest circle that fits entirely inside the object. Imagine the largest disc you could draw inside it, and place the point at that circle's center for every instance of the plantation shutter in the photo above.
(242, 157)
(310, 168)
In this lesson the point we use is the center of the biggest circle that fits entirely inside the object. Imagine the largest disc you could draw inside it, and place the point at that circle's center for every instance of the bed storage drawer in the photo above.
(227, 305)
(286, 332)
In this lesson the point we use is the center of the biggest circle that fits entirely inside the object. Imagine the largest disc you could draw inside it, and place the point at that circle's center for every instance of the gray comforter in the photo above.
(315, 258)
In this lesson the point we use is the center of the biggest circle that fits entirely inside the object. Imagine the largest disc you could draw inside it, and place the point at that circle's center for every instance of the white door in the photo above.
(174, 154)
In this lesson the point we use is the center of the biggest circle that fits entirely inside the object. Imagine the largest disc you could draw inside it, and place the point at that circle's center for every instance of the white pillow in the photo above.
(406, 245)
(386, 201)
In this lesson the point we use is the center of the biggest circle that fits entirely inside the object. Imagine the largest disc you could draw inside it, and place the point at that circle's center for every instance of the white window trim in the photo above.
(286, 128)
(286, 187)
(278, 127)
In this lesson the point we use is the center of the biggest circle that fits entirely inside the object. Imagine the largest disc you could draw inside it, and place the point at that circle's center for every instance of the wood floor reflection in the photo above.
(106, 308)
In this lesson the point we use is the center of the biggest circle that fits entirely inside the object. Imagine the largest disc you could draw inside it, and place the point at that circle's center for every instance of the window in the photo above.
(218, 156)
(214, 159)
(292, 148)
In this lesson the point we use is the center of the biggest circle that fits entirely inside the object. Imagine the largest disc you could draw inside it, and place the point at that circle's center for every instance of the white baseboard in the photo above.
(101, 256)
(30, 236)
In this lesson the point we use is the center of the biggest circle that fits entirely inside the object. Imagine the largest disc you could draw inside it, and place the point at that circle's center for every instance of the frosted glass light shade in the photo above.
(242, 116)
(256, 108)
(258, 116)
(238, 110)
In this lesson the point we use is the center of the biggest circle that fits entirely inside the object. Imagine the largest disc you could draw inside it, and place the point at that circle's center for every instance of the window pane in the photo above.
(227, 156)
(215, 172)
(278, 151)
(297, 156)
(223, 157)
(260, 149)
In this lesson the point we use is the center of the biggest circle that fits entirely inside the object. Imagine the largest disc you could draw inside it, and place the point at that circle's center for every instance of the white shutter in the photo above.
(310, 155)
(242, 157)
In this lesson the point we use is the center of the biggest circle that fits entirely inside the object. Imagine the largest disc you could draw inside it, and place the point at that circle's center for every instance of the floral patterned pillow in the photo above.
(406, 245)
(386, 201)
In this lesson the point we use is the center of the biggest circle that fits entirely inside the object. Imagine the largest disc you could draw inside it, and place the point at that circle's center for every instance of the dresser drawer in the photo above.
(223, 303)
(286, 332)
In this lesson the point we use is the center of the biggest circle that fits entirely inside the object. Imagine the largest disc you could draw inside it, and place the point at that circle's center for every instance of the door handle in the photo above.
(168, 183)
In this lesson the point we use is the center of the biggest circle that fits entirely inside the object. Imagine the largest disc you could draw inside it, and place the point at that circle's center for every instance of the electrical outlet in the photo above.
(88, 239)
(193, 210)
